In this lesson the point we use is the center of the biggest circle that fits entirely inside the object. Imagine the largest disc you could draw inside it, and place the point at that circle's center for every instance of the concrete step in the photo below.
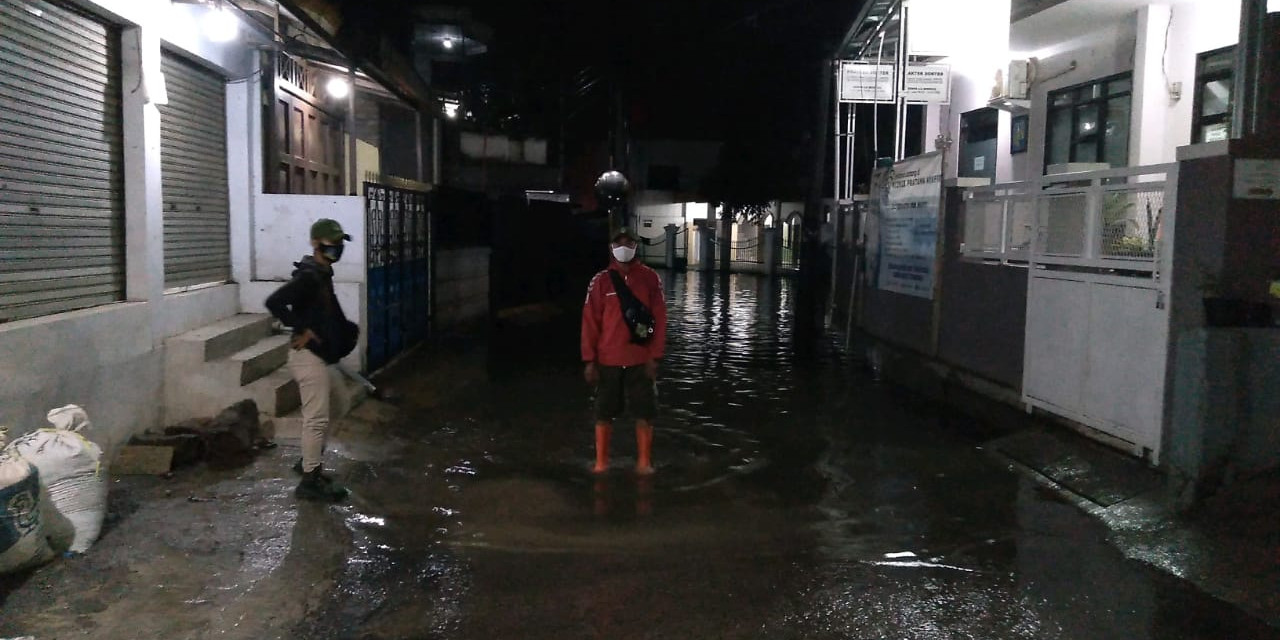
(276, 393)
(261, 358)
(288, 428)
(344, 396)
(218, 340)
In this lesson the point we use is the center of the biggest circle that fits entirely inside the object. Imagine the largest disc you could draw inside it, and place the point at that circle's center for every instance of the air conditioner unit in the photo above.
(1011, 91)
(1017, 84)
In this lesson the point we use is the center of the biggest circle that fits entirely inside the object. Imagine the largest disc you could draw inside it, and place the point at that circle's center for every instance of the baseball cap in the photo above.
(326, 229)
(624, 231)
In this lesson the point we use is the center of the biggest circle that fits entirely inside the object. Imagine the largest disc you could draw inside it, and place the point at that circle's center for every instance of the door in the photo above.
(193, 175)
(61, 161)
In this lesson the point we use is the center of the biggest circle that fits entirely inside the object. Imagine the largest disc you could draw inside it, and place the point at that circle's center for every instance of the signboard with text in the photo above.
(909, 226)
(924, 83)
(864, 82)
(928, 83)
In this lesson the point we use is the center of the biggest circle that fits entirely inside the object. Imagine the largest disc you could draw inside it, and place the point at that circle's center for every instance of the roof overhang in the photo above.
(876, 19)
(373, 55)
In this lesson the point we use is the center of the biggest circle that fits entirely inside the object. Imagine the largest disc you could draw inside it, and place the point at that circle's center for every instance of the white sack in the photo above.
(70, 468)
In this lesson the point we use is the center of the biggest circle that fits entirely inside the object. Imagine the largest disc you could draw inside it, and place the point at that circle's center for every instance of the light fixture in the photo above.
(220, 25)
(337, 87)
(451, 109)
(448, 43)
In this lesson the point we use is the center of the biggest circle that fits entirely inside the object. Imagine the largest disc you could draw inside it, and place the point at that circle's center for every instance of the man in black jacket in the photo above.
(322, 336)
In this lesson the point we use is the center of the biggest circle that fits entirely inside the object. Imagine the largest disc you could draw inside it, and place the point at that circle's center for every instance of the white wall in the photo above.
(1106, 51)
(1200, 26)
(659, 215)
(1136, 42)
(973, 37)
(282, 236)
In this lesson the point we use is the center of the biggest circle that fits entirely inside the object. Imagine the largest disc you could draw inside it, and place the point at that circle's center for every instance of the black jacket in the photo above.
(307, 301)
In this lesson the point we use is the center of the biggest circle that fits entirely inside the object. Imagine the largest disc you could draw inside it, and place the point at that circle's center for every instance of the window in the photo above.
(1211, 115)
(1090, 122)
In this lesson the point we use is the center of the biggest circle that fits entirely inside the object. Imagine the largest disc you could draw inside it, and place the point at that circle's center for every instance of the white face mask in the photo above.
(624, 253)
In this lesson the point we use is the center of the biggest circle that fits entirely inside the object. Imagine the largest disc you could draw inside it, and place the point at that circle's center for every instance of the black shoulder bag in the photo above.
(639, 319)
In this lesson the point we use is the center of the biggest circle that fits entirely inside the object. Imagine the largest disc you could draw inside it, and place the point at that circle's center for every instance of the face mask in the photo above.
(331, 252)
(624, 253)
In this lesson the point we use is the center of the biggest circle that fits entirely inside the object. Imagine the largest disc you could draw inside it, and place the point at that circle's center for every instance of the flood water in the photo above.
(794, 498)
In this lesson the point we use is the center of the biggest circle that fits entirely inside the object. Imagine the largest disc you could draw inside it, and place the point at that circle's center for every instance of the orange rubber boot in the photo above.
(644, 447)
(603, 431)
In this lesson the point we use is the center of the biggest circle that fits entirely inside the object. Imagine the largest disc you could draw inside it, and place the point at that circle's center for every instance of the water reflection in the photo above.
(794, 499)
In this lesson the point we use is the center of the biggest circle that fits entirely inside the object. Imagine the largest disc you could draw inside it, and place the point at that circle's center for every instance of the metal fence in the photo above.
(1105, 219)
(746, 251)
(398, 243)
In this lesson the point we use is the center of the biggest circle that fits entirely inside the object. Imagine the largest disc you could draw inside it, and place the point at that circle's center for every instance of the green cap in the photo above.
(326, 229)
(618, 232)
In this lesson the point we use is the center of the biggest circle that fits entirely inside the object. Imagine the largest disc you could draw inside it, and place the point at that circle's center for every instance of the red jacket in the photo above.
(605, 337)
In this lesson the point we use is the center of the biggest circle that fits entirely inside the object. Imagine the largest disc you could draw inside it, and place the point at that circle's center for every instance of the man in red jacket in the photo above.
(621, 359)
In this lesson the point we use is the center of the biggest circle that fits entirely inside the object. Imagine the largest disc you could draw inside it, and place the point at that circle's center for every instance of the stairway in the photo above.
(210, 368)
(213, 367)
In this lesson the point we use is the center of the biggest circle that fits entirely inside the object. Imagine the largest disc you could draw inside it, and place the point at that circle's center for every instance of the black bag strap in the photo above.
(624, 292)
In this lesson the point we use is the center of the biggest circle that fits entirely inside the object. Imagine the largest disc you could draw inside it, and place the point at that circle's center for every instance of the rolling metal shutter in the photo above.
(61, 161)
(193, 175)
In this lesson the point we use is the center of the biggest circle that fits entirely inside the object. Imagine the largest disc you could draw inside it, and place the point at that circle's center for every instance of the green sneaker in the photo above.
(318, 487)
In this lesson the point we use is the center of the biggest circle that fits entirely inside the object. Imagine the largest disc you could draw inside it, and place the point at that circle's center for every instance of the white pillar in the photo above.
(143, 199)
(1151, 100)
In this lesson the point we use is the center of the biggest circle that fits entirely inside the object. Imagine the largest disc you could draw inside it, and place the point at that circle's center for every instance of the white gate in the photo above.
(1097, 320)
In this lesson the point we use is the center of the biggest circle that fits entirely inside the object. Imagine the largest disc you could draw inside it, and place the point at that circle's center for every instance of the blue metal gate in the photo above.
(399, 240)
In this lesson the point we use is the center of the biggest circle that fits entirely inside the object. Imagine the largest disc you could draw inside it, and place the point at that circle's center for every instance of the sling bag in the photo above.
(639, 319)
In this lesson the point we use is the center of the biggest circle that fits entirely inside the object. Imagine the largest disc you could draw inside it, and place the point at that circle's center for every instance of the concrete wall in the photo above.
(281, 237)
(1223, 423)
(461, 287)
(984, 309)
(504, 149)
(657, 217)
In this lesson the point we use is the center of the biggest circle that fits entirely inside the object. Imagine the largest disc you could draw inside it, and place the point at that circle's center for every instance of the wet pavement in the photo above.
(794, 498)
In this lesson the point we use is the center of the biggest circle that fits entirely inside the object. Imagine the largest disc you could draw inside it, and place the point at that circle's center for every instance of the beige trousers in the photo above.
(312, 376)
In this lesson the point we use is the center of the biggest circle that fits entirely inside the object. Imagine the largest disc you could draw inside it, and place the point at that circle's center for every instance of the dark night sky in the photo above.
(740, 71)
(689, 68)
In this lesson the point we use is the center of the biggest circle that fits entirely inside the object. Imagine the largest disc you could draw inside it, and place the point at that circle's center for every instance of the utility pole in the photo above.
(810, 295)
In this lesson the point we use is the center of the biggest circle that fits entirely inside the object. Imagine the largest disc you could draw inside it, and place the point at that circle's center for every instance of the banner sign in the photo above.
(928, 83)
(863, 82)
(909, 226)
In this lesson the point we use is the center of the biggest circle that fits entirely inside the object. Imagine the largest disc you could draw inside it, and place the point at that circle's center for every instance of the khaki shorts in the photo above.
(629, 387)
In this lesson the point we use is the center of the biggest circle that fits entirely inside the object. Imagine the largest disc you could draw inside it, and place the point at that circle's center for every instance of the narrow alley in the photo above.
(794, 498)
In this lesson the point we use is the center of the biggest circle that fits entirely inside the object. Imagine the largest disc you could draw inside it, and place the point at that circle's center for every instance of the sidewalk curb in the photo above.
(1160, 518)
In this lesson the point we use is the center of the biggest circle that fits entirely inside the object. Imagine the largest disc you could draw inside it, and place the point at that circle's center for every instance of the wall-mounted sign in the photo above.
(864, 82)
(928, 83)
(909, 226)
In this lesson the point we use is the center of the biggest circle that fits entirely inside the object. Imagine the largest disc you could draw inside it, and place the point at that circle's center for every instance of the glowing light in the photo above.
(448, 43)
(337, 87)
(220, 25)
(451, 109)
